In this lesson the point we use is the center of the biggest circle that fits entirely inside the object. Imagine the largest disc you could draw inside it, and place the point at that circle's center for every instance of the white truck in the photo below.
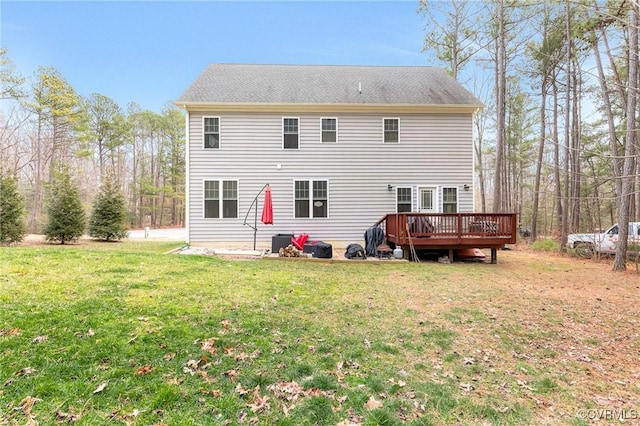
(586, 245)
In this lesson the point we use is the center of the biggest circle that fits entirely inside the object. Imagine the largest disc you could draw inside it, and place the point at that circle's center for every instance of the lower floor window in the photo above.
(450, 200)
(403, 202)
(311, 198)
(220, 199)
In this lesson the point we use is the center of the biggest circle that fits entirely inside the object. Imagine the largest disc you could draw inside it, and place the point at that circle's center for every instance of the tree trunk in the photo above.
(574, 224)
(567, 132)
(37, 182)
(620, 263)
(543, 135)
(500, 94)
(556, 154)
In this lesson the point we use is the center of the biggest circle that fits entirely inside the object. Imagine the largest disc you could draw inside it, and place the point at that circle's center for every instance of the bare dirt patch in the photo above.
(557, 326)
(32, 240)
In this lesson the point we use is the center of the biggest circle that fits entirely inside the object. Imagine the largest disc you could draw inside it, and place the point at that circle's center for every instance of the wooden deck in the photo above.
(450, 231)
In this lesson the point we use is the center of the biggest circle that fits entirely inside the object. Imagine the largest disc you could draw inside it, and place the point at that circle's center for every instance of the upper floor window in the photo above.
(311, 198)
(329, 129)
(403, 200)
(220, 199)
(391, 130)
(450, 200)
(290, 133)
(212, 132)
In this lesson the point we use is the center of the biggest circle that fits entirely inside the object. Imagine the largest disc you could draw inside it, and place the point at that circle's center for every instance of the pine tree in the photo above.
(66, 215)
(12, 228)
(109, 213)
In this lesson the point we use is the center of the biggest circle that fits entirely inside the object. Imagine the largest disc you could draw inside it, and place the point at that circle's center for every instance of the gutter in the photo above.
(330, 108)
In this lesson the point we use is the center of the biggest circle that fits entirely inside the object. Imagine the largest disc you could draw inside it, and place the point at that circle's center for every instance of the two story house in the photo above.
(339, 146)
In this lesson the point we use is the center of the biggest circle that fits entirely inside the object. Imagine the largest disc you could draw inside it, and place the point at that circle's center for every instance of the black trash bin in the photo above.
(279, 241)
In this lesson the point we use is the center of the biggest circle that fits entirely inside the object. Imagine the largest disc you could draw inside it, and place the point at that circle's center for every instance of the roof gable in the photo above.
(312, 84)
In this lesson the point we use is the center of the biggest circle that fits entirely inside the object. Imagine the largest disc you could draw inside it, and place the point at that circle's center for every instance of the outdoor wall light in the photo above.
(466, 187)
(389, 187)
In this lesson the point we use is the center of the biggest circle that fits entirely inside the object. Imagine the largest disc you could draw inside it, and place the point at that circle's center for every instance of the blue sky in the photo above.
(149, 52)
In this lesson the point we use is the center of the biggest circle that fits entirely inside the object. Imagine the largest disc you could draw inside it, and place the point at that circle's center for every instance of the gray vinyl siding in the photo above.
(434, 150)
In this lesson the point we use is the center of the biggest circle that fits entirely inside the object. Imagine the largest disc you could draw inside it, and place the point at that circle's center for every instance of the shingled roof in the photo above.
(322, 84)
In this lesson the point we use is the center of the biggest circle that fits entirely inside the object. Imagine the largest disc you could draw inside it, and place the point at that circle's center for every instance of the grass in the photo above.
(545, 244)
(124, 334)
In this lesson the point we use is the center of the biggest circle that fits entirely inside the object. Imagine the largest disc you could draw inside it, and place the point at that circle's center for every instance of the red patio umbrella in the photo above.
(267, 207)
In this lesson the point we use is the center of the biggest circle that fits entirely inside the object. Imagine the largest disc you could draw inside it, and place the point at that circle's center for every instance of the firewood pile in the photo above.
(289, 251)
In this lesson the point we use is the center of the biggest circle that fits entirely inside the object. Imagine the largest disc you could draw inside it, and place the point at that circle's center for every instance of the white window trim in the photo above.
(220, 207)
(219, 131)
(457, 198)
(399, 138)
(396, 198)
(282, 132)
(310, 198)
(337, 127)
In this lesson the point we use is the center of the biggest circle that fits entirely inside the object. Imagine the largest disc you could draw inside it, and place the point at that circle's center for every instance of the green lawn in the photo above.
(120, 333)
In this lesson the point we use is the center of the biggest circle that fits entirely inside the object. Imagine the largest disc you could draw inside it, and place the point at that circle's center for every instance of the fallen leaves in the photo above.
(70, 417)
(192, 366)
(176, 381)
(209, 345)
(372, 404)
(231, 374)
(584, 358)
(399, 383)
(25, 371)
(289, 391)
(259, 402)
(101, 387)
(81, 335)
(608, 401)
(523, 384)
(39, 339)
(352, 419)
(216, 393)
(26, 405)
(467, 387)
(12, 332)
(144, 370)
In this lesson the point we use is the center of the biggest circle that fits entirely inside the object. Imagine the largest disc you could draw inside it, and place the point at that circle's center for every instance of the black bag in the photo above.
(354, 251)
(322, 250)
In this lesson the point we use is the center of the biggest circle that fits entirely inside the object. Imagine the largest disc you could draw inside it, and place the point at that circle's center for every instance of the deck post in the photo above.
(494, 255)
(450, 255)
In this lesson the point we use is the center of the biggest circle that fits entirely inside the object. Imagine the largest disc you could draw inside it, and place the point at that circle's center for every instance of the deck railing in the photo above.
(437, 229)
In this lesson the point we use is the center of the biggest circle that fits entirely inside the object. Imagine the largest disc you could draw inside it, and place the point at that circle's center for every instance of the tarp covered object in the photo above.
(373, 237)
(322, 250)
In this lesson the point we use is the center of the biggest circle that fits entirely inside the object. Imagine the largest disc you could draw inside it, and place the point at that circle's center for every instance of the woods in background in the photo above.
(47, 127)
(557, 142)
